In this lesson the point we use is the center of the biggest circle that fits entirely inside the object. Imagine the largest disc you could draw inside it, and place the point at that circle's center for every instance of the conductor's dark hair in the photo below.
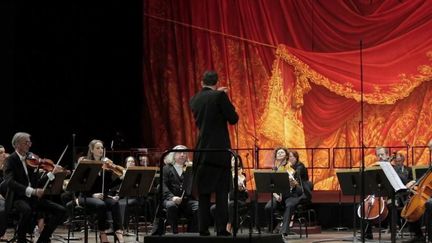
(210, 78)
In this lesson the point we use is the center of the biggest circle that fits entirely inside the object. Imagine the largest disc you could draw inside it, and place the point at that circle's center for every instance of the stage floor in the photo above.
(60, 235)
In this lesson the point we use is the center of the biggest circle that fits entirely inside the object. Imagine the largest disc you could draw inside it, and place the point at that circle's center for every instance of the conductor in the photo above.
(212, 110)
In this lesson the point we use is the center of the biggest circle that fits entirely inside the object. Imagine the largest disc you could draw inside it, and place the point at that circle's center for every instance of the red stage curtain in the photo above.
(293, 69)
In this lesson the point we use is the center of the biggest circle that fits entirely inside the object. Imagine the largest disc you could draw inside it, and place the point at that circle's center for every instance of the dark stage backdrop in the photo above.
(71, 68)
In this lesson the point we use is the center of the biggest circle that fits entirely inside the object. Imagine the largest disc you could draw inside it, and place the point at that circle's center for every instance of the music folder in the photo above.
(349, 181)
(55, 186)
(138, 181)
(84, 176)
(271, 181)
(418, 171)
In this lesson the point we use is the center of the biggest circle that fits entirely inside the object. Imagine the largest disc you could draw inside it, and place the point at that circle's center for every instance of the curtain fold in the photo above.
(293, 72)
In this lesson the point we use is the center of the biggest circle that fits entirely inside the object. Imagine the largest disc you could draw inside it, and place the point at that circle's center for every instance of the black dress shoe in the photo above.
(204, 233)
(416, 239)
(366, 237)
(223, 233)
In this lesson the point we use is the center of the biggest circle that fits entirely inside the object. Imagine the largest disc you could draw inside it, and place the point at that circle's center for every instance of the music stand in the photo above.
(418, 171)
(270, 181)
(137, 182)
(82, 180)
(56, 186)
(350, 184)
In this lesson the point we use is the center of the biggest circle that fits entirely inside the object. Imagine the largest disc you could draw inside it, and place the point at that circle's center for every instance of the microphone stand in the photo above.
(256, 155)
(362, 166)
(340, 227)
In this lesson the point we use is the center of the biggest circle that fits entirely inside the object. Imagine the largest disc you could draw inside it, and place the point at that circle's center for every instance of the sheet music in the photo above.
(392, 176)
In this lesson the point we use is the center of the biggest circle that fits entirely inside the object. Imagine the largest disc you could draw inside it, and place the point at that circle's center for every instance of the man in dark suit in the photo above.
(212, 111)
(23, 194)
(176, 195)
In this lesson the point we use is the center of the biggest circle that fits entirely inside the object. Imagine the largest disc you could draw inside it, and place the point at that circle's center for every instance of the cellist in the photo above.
(415, 227)
(382, 155)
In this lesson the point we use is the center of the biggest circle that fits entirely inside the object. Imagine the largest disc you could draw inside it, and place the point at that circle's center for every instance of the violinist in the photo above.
(24, 195)
(176, 198)
(3, 188)
(99, 198)
(288, 160)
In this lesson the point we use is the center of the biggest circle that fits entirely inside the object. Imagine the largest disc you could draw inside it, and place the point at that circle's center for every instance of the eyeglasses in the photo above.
(27, 142)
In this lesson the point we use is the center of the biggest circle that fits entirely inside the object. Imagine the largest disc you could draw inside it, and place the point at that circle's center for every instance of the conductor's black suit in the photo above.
(212, 111)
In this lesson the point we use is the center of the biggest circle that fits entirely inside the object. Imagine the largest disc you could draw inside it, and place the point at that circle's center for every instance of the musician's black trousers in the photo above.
(54, 214)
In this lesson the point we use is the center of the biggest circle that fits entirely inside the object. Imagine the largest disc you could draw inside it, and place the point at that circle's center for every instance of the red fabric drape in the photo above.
(312, 102)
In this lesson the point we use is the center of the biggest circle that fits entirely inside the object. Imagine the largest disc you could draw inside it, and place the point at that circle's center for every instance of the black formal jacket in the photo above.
(305, 187)
(173, 184)
(16, 179)
(212, 111)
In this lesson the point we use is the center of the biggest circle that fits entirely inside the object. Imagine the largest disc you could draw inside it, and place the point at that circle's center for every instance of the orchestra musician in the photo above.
(405, 174)
(415, 226)
(135, 204)
(382, 155)
(3, 189)
(288, 160)
(23, 192)
(176, 198)
(99, 198)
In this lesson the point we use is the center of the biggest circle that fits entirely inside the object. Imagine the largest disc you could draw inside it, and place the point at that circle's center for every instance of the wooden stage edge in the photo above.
(195, 238)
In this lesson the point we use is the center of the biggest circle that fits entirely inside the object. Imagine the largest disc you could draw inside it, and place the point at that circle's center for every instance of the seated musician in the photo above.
(287, 160)
(24, 194)
(135, 203)
(3, 189)
(176, 198)
(415, 226)
(99, 198)
(242, 195)
(382, 155)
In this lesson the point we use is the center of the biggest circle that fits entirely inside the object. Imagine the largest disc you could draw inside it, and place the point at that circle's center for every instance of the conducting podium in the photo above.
(82, 180)
(270, 181)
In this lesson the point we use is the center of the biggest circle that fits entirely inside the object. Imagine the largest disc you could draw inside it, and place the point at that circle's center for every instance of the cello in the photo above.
(375, 209)
(415, 207)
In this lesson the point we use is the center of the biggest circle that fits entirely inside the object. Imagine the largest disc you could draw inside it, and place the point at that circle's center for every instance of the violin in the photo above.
(35, 161)
(46, 165)
(109, 165)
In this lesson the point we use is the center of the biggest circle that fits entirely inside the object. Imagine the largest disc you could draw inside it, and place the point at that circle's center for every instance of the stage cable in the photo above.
(209, 31)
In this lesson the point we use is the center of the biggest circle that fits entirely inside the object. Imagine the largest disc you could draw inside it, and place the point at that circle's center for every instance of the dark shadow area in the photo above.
(72, 68)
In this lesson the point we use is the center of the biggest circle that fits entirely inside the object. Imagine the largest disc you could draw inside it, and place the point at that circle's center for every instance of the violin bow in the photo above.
(58, 162)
